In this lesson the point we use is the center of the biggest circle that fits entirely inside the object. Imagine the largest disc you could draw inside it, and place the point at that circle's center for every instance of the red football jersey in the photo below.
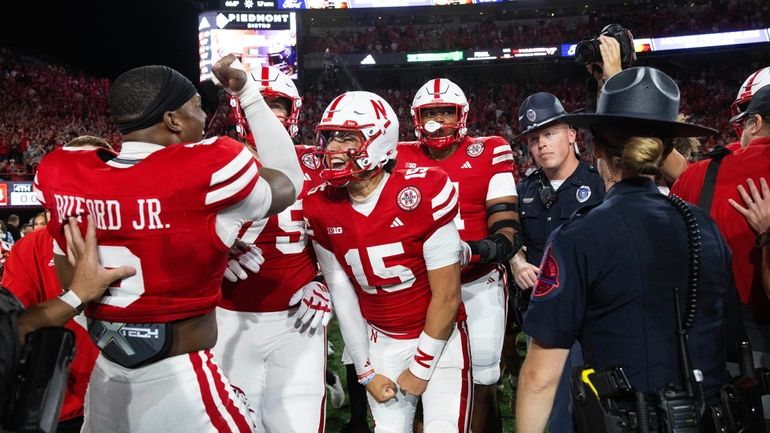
(382, 253)
(30, 275)
(470, 168)
(283, 240)
(743, 163)
(159, 216)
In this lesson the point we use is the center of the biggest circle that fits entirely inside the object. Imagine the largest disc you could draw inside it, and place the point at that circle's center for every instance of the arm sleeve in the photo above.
(274, 145)
(501, 185)
(442, 248)
(345, 301)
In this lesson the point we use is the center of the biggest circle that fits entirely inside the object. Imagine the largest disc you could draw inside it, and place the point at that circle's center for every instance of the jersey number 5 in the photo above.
(377, 256)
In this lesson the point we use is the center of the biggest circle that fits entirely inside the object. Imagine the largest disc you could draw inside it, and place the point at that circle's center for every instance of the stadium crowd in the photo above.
(74, 104)
(480, 31)
(46, 105)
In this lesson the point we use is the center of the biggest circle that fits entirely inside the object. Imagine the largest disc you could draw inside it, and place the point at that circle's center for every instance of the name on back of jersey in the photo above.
(107, 213)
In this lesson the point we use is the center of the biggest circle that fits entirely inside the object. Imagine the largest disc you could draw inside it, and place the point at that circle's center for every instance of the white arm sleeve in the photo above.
(442, 248)
(501, 185)
(345, 301)
(253, 208)
(274, 145)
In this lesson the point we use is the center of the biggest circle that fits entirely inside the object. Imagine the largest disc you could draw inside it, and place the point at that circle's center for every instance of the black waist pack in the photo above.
(131, 345)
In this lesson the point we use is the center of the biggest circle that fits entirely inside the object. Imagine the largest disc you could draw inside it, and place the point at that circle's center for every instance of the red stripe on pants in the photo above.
(466, 395)
(235, 413)
(208, 400)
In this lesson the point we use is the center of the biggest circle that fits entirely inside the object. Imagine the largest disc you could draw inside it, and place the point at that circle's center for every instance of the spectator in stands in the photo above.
(12, 227)
(39, 221)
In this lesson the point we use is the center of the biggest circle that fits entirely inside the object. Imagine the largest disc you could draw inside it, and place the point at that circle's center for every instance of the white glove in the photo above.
(465, 254)
(315, 306)
(250, 260)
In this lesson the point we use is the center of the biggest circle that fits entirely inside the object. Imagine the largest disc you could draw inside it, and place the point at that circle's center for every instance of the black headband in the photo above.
(175, 91)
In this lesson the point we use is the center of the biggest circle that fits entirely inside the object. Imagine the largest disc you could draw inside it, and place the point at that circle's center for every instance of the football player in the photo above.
(170, 205)
(389, 250)
(271, 323)
(481, 170)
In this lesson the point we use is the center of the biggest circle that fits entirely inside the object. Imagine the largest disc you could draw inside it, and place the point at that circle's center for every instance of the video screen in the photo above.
(257, 39)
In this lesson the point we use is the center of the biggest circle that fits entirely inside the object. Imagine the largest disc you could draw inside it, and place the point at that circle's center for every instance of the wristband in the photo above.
(366, 379)
(367, 375)
(70, 298)
(426, 356)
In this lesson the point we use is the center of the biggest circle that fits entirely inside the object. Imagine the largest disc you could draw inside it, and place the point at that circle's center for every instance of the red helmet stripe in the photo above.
(333, 107)
(265, 76)
(750, 81)
(436, 87)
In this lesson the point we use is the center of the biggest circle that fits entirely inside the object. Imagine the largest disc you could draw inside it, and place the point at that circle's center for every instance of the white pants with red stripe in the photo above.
(281, 370)
(485, 301)
(446, 402)
(182, 394)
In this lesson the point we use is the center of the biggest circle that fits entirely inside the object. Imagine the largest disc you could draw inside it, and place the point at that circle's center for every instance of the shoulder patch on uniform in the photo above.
(550, 280)
(475, 149)
(409, 198)
(583, 193)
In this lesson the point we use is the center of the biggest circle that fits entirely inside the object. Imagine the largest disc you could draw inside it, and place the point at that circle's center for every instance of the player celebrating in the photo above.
(389, 250)
(262, 341)
(169, 205)
(481, 169)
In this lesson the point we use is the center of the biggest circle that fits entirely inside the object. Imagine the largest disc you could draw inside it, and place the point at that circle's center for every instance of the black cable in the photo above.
(693, 275)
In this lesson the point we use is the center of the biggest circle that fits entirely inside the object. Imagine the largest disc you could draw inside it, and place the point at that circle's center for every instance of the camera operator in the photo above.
(606, 55)
(89, 282)
(608, 275)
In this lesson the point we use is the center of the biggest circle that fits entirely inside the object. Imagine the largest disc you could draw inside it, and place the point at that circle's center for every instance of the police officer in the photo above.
(608, 275)
(549, 196)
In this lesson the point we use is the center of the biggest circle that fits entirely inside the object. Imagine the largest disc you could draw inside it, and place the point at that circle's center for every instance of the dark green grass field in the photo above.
(336, 418)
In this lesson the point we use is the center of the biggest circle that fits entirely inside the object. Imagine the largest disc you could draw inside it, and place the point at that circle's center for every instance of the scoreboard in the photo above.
(256, 38)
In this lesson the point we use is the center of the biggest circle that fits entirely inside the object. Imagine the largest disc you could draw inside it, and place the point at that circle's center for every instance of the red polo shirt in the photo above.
(751, 162)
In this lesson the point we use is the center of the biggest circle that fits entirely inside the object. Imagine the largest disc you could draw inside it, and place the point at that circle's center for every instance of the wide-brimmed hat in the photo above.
(539, 111)
(642, 101)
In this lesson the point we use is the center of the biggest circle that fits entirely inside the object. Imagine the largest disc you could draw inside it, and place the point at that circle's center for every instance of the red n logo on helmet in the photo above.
(379, 108)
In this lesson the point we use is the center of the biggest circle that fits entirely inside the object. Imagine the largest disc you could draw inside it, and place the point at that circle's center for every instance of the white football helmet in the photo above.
(754, 82)
(275, 84)
(376, 124)
(440, 92)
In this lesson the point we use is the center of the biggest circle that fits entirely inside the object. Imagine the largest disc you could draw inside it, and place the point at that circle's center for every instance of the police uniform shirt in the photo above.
(607, 280)
(583, 187)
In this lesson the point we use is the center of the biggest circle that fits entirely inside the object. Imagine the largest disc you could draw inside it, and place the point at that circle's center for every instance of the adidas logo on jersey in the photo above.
(396, 223)
(466, 164)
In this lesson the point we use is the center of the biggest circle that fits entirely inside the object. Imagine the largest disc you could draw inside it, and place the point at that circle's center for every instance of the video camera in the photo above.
(587, 52)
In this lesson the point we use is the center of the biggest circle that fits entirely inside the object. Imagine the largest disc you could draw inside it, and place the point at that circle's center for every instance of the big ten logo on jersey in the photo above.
(137, 214)
(372, 274)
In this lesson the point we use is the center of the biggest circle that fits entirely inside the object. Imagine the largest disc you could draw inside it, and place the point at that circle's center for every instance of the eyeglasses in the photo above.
(548, 195)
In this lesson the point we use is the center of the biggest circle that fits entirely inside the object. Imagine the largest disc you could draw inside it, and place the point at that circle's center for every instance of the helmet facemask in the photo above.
(340, 167)
(431, 132)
